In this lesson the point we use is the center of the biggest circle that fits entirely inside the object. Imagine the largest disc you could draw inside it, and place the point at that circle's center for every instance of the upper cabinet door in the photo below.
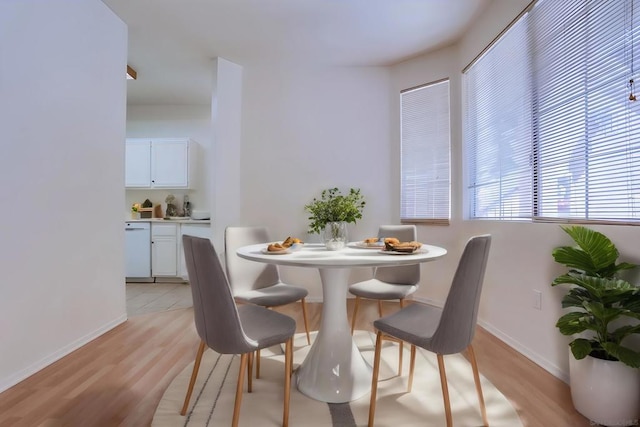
(137, 163)
(170, 164)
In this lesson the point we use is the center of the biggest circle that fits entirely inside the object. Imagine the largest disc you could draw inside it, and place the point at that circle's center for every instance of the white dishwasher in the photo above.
(137, 249)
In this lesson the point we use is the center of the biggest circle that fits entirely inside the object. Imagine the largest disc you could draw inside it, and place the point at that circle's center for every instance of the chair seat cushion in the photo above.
(272, 296)
(414, 324)
(376, 289)
(264, 327)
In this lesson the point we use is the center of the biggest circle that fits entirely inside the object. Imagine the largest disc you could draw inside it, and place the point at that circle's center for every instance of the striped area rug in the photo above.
(213, 397)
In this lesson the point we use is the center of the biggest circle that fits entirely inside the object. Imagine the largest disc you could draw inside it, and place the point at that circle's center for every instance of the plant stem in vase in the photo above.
(335, 235)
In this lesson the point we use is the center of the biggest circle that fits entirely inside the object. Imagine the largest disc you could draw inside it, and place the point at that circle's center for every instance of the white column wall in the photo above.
(225, 158)
(62, 115)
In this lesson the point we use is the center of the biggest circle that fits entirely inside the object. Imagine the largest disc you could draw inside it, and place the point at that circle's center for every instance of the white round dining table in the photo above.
(334, 370)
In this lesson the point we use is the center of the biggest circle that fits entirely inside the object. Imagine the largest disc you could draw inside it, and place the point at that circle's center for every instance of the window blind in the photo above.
(498, 129)
(425, 153)
(548, 105)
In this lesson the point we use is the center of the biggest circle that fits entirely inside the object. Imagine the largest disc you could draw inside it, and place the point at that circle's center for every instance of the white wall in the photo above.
(520, 259)
(62, 115)
(168, 121)
(305, 129)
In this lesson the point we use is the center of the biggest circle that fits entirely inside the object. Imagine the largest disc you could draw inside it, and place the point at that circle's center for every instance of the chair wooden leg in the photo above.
(476, 378)
(412, 365)
(194, 375)
(288, 367)
(236, 407)
(250, 373)
(445, 390)
(400, 345)
(380, 308)
(374, 379)
(257, 364)
(355, 311)
(400, 353)
(304, 317)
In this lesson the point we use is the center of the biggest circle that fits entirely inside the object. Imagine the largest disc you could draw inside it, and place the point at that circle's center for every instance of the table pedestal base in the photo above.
(334, 371)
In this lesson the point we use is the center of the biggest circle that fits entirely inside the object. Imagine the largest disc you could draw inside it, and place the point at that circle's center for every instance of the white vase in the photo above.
(604, 391)
(335, 235)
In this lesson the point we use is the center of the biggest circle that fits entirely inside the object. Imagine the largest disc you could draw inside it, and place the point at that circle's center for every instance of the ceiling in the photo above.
(172, 42)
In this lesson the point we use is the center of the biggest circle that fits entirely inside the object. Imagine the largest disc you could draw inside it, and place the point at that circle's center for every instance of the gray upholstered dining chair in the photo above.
(443, 331)
(388, 283)
(254, 282)
(227, 328)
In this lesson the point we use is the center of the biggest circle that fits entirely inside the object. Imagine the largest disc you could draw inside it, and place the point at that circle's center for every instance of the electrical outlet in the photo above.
(537, 299)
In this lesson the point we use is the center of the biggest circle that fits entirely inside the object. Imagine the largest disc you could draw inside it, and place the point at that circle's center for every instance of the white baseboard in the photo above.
(527, 352)
(515, 344)
(57, 355)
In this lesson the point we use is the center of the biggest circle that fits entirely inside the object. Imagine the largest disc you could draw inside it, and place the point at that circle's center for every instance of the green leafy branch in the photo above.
(333, 206)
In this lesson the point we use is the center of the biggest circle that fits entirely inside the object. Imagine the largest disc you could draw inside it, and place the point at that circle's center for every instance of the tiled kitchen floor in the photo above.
(145, 298)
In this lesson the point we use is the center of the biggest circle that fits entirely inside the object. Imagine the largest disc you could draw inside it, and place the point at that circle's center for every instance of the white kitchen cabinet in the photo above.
(198, 230)
(137, 170)
(164, 249)
(157, 163)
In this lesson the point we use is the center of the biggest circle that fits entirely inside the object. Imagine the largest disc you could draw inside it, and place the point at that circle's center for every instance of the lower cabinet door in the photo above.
(164, 256)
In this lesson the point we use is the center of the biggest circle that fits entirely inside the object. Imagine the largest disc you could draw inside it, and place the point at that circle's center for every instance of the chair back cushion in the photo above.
(245, 275)
(460, 313)
(404, 275)
(214, 309)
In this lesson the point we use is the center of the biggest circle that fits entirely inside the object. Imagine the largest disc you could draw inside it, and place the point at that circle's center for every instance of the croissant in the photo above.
(276, 247)
(403, 246)
(289, 241)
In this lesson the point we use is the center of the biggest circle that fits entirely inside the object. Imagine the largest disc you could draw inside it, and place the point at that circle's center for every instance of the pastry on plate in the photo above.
(290, 241)
(276, 247)
(403, 246)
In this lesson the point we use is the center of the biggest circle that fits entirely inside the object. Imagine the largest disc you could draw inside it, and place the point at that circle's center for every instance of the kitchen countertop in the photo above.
(181, 220)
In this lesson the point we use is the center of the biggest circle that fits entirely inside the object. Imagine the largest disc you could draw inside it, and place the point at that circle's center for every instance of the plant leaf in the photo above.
(580, 348)
(619, 334)
(623, 354)
(601, 251)
(575, 297)
(574, 323)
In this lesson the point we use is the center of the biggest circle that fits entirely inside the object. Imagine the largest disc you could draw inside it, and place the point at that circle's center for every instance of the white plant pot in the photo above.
(605, 392)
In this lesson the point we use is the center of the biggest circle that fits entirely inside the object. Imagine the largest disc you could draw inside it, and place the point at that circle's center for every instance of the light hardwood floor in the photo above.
(119, 378)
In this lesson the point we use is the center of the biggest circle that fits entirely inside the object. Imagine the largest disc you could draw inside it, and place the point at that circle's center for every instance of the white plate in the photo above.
(417, 251)
(267, 252)
(363, 245)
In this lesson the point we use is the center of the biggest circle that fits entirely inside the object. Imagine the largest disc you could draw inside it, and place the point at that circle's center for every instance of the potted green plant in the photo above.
(604, 374)
(331, 213)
